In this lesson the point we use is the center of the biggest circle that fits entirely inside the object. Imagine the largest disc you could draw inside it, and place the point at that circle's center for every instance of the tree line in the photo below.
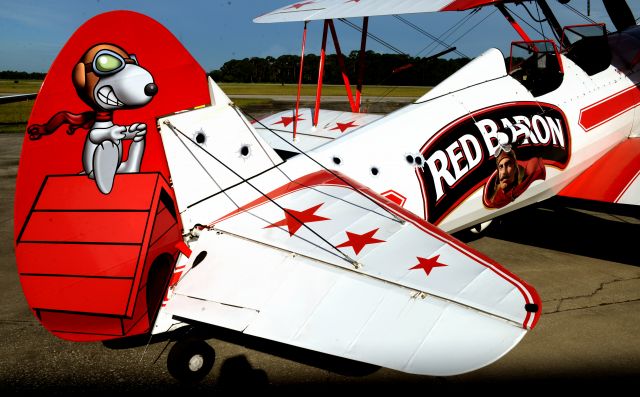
(380, 69)
(15, 75)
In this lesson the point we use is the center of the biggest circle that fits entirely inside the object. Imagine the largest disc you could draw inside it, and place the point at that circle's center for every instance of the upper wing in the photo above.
(614, 178)
(308, 10)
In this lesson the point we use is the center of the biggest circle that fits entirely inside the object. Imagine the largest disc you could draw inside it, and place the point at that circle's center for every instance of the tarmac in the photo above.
(584, 264)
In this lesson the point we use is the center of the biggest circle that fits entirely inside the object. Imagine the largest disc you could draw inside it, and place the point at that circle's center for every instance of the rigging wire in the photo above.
(526, 22)
(531, 15)
(340, 254)
(577, 12)
(373, 37)
(447, 33)
(429, 35)
(540, 21)
(474, 26)
(338, 176)
(273, 131)
(443, 36)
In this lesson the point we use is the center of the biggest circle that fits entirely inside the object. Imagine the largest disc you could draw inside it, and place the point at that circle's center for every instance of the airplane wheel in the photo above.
(190, 360)
(481, 228)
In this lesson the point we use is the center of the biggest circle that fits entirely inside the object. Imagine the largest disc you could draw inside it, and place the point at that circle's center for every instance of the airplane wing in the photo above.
(365, 280)
(308, 257)
(17, 98)
(613, 178)
(329, 9)
(277, 129)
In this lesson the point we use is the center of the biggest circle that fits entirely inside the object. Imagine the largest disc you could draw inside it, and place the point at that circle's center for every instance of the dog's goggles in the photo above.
(107, 62)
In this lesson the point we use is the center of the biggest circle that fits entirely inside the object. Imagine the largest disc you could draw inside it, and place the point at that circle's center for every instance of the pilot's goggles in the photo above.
(107, 62)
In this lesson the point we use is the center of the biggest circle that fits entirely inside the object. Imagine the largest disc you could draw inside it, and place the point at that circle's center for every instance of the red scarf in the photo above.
(82, 120)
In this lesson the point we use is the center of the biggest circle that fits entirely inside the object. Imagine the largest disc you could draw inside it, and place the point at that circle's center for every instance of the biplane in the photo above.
(147, 202)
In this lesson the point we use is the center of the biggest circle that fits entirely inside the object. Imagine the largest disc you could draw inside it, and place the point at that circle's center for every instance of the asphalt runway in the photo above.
(584, 264)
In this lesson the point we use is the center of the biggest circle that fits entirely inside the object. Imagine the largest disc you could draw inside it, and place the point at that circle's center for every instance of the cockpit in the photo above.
(536, 65)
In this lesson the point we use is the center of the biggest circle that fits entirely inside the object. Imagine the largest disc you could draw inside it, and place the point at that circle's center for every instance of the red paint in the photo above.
(299, 5)
(608, 108)
(294, 220)
(184, 249)
(323, 51)
(608, 178)
(106, 260)
(344, 126)
(359, 241)
(77, 294)
(363, 45)
(66, 193)
(297, 114)
(86, 227)
(345, 77)
(461, 5)
(84, 256)
(285, 121)
(394, 196)
(428, 264)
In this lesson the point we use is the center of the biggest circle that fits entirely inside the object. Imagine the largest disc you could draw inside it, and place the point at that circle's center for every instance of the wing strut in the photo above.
(323, 54)
(513, 22)
(328, 23)
(363, 45)
(555, 25)
(296, 115)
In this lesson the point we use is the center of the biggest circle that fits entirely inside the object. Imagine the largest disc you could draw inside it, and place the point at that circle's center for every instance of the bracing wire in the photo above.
(339, 254)
(393, 218)
(429, 35)
(373, 37)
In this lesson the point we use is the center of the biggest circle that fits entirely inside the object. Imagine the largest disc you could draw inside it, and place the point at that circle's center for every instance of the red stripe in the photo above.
(74, 322)
(77, 294)
(461, 5)
(325, 178)
(608, 177)
(80, 193)
(86, 227)
(608, 108)
(73, 259)
(183, 248)
(628, 186)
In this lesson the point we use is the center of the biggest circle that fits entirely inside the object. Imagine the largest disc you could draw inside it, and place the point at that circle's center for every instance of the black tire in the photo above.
(190, 360)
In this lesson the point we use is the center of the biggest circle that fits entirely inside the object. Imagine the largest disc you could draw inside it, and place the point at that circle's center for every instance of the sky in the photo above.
(32, 32)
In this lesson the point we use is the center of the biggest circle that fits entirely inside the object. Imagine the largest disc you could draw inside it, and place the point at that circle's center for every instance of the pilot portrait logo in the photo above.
(502, 149)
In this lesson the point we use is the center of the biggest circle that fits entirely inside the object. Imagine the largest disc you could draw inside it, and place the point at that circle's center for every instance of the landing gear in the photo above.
(190, 360)
(480, 228)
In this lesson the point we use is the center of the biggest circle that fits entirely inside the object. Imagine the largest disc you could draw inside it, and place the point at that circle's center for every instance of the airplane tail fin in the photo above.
(95, 221)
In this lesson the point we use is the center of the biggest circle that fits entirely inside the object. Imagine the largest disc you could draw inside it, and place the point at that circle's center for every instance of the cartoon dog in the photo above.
(106, 78)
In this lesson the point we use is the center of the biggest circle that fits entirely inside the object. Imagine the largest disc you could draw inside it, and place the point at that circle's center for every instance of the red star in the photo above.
(287, 120)
(358, 241)
(294, 224)
(428, 264)
(343, 126)
(298, 5)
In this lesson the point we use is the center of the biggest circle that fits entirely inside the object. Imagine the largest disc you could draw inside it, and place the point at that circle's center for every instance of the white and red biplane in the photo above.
(176, 210)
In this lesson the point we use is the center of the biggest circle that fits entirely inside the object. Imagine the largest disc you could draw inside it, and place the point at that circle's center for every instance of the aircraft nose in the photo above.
(150, 89)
